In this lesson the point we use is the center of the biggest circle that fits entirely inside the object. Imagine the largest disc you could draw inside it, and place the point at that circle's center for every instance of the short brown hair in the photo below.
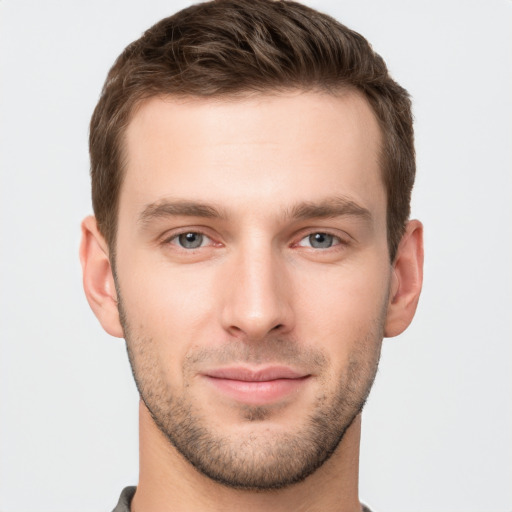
(233, 47)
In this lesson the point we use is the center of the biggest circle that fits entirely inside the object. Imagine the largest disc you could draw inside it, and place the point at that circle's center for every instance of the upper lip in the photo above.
(255, 374)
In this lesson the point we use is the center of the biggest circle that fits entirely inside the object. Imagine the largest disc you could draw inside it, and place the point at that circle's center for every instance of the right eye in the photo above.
(190, 240)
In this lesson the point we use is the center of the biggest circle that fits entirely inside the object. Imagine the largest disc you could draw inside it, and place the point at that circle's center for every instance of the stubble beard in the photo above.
(256, 461)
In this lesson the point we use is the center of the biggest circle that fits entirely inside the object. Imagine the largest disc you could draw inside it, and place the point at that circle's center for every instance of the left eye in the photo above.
(319, 241)
(190, 240)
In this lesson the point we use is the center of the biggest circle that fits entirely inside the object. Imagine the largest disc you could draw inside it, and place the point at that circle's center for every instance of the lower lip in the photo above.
(258, 393)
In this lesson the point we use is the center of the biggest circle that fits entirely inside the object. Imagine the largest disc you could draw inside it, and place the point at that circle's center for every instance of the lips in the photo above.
(256, 375)
(256, 386)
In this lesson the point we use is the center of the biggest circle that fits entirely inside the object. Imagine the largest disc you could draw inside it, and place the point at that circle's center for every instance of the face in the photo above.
(253, 277)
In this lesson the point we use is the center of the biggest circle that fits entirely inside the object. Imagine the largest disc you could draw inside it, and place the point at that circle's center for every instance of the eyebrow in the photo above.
(328, 208)
(179, 208)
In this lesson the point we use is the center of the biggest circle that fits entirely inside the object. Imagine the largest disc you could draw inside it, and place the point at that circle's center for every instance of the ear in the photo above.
(98, 279)
(406, 280)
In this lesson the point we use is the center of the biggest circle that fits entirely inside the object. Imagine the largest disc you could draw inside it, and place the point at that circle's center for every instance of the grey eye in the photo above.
(190, 240)
(321, 240)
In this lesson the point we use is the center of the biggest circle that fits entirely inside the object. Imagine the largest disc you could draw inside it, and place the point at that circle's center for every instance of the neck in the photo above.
(169, 483)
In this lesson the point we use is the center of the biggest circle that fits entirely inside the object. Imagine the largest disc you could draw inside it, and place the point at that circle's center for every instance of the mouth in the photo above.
(257, 386)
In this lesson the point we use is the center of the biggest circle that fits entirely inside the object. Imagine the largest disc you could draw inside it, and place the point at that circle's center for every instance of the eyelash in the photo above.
(175, 236)
(337, 240)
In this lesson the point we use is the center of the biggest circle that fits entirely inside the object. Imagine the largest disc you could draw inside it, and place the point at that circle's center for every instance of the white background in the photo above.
(437, 431)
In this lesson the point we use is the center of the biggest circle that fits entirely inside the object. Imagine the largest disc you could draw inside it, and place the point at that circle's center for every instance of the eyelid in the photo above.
(336, 242)
(204, 241)
(173, 234)
(343, 238)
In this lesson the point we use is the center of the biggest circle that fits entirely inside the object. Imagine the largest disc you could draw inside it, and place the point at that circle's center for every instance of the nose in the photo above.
(257, 295)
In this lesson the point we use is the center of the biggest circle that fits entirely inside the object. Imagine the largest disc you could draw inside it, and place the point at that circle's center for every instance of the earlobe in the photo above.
(98, 279)
(406, 280)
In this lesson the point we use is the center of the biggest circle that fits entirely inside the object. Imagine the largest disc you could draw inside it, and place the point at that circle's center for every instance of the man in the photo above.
(252, 164)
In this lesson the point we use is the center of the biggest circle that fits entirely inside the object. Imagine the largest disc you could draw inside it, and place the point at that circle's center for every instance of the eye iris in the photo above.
(190, 240)
(321, 240)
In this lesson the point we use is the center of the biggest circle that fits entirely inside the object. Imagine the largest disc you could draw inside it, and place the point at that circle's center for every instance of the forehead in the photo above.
(262, 152)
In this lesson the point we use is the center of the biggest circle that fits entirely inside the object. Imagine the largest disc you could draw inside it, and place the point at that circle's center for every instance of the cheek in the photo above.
(153, 288)
(171, 307)
(343, 307)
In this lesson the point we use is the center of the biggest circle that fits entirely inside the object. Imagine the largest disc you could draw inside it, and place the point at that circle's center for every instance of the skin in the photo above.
(269, 172)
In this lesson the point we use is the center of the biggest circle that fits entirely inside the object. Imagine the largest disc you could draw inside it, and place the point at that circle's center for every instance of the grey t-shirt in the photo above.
(125, 499)
(128, 492)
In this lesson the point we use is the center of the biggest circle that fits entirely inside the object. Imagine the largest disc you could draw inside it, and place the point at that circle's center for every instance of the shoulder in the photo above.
(123, 505)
